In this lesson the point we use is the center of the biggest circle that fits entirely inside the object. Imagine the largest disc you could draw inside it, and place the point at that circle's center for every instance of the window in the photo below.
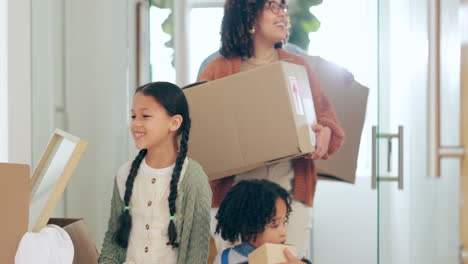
(194, 35)
(161, 68)
(205, 25)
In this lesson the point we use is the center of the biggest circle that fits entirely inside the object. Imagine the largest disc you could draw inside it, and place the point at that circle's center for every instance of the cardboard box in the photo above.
(85, 250)
(270, 253)
(349, 98)
(15, 204)
(251, 119)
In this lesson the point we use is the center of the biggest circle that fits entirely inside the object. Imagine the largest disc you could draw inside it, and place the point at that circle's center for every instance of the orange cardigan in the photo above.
(305, 174)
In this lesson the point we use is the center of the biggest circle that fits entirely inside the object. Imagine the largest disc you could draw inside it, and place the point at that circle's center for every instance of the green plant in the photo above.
(302, 21)
(168, 24)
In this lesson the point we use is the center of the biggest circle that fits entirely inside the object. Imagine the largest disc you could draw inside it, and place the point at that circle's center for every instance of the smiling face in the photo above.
(151, 125)
(270, 27)
(275, 231)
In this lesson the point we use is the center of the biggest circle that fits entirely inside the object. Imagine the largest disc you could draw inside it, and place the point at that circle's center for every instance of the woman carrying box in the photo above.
(252, 34)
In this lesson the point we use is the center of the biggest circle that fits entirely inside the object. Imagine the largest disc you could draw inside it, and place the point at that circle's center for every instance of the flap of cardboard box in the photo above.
(349, 99)
(85, 250)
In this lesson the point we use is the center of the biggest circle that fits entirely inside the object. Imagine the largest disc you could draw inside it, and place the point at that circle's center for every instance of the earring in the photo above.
(252, 31)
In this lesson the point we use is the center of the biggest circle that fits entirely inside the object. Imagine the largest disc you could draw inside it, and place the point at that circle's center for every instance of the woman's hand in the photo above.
(291, 259)
(323, 135)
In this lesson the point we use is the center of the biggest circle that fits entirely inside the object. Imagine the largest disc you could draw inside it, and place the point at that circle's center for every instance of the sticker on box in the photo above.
(310, 116)
(309, 111)
(296, 95)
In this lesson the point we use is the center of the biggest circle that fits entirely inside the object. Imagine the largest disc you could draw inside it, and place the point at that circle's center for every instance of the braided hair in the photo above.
(172, 98)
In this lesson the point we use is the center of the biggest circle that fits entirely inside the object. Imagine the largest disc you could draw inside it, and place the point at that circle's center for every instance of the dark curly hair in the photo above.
(171, 97)
(239, 18)
(248, 207)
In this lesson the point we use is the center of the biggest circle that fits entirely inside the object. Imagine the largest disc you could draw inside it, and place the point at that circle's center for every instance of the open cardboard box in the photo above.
(85, 250)
(349, 99)
(33, 199)
(251, 119)
(269, 253)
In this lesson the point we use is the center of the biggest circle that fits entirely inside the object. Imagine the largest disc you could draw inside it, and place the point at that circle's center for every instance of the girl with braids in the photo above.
(252, 34)
(254, 212)
(160, 209)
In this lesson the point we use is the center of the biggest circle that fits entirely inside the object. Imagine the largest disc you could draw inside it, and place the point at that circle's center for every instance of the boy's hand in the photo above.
(291, 258)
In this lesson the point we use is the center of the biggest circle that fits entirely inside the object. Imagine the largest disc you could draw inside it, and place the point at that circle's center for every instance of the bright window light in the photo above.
(160, 56)
(205, 25)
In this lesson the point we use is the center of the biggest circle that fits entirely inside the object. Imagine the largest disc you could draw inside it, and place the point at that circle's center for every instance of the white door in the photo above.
(412, 215)
(419, 223)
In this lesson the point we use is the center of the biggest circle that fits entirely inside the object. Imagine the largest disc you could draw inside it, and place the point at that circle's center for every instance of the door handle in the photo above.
(388, 137)
(435, 151)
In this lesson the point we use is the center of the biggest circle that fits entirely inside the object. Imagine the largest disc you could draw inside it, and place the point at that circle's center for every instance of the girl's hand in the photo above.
(291, 258)
(323, 135)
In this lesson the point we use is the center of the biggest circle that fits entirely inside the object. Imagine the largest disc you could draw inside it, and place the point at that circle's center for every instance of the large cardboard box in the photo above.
(251, 119)
(349, 98)
(269, 253)
(15, 205)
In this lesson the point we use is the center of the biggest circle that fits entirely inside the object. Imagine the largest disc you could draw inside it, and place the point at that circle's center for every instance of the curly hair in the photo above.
(248, 207)
(239, 18)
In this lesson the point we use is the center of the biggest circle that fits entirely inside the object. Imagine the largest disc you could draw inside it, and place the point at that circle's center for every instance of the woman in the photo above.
(252, 34)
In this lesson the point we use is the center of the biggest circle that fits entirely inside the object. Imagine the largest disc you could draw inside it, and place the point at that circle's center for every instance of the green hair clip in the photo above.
(127, 208)
(171, 218)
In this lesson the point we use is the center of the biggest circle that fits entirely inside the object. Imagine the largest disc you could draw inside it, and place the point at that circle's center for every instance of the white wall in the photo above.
(47, 73)
(3, 82)
(48, 87)
(81, 83)
(96, 99)
(19, 81)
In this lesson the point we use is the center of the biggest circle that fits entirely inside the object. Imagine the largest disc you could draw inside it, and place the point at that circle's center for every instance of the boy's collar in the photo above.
(245, 248)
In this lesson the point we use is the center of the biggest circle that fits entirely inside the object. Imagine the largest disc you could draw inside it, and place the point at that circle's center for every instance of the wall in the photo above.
(19, 81)
(3, 82)
(47, 78)
(96, 98)
(81, 83)
(47, 72)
